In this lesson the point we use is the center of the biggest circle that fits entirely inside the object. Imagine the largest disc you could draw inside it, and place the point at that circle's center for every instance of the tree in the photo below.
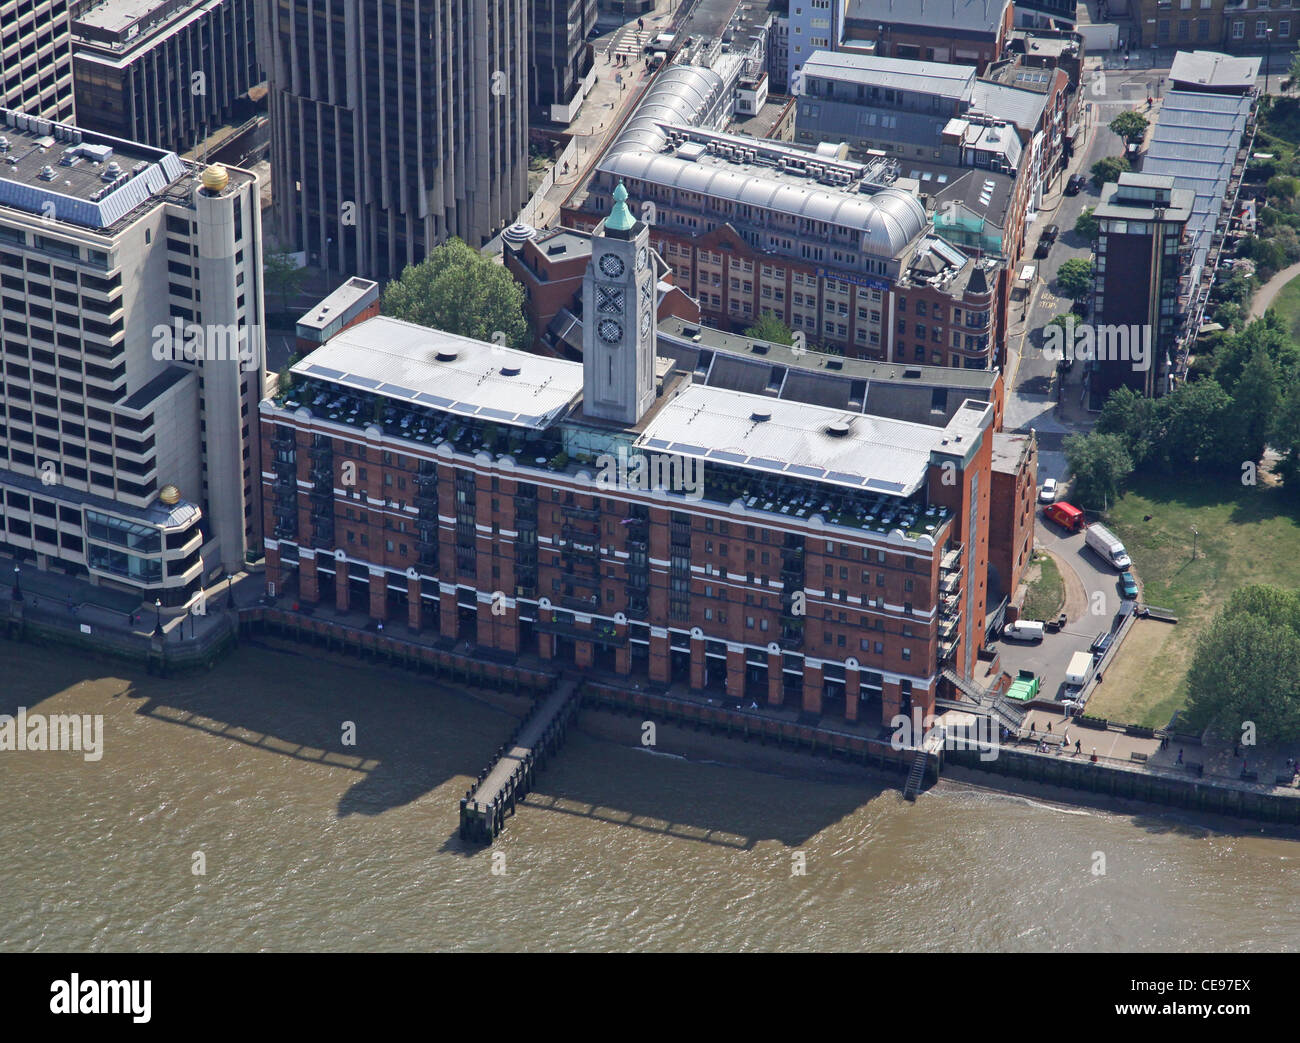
(770, 328)
(1285, 437)
(1190, 419)
(459, 290)
(1250, 420)
(1283, 189)
(1074, 278)
(1131, 126)
(1246, 667)
(1086, 225)
(1269, 335)
(1100, 464)
(1133, 418)
(1109, 169)
(281, 275)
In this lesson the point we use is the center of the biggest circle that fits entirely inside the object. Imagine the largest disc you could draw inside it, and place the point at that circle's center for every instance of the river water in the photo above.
(309, 844)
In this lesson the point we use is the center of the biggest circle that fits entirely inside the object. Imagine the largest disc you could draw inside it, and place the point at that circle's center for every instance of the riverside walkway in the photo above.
(508, 780)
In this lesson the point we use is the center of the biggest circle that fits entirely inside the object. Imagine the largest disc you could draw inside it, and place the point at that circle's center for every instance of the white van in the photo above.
(1023, 630)
(1108, 546)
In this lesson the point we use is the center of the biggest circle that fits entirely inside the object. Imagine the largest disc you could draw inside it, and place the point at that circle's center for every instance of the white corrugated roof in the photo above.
(400, 361)
(876, 454)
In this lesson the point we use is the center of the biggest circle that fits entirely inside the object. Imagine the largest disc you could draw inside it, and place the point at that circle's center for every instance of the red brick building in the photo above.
(1011, 511)
(767, 549)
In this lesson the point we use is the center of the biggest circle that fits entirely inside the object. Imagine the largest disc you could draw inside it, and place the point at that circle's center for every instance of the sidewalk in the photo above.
(617, 91)
(60, 599)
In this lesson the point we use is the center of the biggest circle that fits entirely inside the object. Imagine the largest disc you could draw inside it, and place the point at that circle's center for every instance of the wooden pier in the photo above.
(510, 777)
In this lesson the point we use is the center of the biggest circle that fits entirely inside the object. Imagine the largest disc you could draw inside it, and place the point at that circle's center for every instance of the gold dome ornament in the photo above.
(216, 178)
(170, 495)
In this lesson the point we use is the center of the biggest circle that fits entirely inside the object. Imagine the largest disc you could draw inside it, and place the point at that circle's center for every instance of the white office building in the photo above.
(133, 358)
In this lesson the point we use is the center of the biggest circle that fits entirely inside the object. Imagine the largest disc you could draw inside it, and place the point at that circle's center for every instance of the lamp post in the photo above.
(18, 584)
(1268, 53)
(1195, 534)
(157, 626)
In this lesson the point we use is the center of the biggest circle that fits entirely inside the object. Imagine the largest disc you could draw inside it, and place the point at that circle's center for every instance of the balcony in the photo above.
(598, 633)
(572, 510)
(321, 452)
(287, 470)
(426, 501)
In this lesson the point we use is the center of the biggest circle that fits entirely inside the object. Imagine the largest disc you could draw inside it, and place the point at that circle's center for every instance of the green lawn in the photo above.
(1046, 593)
(1287, 306)
(1246, 535)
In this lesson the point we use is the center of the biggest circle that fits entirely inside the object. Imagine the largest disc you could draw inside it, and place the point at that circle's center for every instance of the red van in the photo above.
(1066, 515)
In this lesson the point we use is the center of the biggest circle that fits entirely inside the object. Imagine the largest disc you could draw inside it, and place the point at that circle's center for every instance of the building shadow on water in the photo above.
(414, 737)
(705, 802)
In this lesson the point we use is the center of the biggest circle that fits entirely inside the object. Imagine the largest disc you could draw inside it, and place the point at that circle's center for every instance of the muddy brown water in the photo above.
(311, 844)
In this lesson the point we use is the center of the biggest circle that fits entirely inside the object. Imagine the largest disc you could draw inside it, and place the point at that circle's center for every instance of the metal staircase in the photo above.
(1002, 710)
(917, 775)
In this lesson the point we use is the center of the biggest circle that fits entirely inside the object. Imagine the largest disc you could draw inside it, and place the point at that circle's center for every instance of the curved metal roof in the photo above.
(888, 220)
(681, 94)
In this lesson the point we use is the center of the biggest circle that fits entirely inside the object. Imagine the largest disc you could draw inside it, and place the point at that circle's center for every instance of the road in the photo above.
(1033, 393)
(1102, 601)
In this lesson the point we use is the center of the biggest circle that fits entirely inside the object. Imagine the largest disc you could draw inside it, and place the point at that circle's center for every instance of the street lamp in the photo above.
(157, 626)
(1268, 53)
(1194, 535)
(18, 584)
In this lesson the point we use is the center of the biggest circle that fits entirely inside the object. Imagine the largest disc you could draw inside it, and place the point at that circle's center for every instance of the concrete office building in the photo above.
(131, 309)
(394, 126)
(561, 55)
(36, 58)
(165, 72)
(824, 558)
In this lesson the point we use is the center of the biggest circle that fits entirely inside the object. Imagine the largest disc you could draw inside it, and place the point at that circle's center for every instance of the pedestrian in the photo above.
(1180, 757)
(1078, 745)
(1049, 727)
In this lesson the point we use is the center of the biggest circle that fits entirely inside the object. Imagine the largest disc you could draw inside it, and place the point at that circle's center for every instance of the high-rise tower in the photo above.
(394, 125)
(618, 332)
(36, 58)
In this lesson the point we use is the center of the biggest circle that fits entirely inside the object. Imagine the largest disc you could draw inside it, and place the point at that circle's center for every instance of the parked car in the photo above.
(1047, 494)
(1074, 185)
(1050, 233)
(1127, 584)
(1101, 643)
(1023, 630)
(1043, 248)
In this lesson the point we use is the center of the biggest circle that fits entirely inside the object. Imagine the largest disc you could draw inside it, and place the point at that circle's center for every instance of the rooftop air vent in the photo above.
(839, 429)
(510, 371)
(448, 354)
(911, 374)
(112, 171)
(47, 173)
(760, 416)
